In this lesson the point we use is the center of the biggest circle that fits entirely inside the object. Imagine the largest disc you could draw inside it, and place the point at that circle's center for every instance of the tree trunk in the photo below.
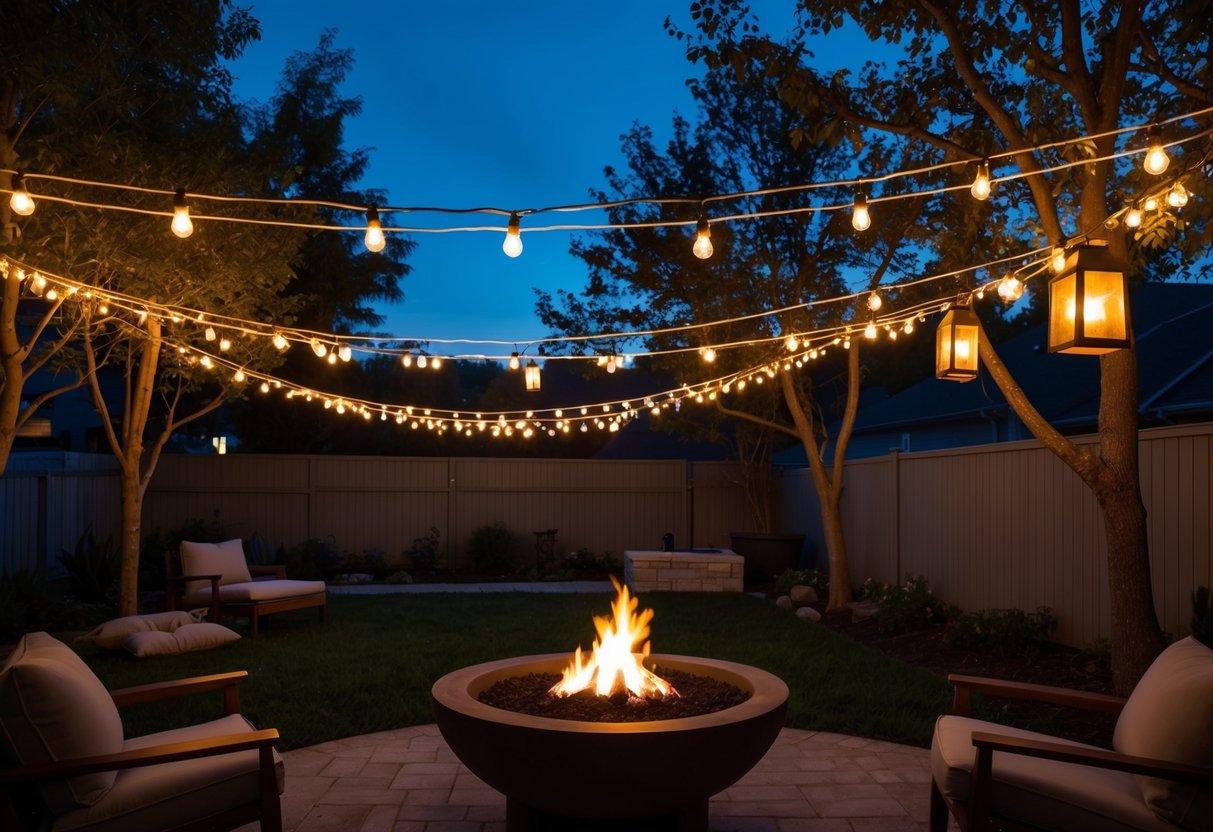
(12, 379)
(132, 521)
(836, 547)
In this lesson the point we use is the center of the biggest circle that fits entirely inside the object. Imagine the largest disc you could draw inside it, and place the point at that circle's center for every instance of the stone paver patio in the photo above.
(407, 780)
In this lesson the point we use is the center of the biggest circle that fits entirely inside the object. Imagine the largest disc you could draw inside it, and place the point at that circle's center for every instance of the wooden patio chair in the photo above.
(1158, 776)
(66, 765)
(216, 576)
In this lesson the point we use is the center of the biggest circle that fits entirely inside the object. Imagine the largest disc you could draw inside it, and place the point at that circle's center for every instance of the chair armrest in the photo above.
(1097, 757)
(276, 571)
(157, 691)
(180, 579)
(138, 757)
(965, 686)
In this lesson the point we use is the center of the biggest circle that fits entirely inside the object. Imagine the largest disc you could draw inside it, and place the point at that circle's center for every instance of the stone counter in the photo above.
(702, 570)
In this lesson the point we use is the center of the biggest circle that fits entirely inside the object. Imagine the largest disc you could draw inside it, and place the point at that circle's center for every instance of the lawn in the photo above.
(371, 666)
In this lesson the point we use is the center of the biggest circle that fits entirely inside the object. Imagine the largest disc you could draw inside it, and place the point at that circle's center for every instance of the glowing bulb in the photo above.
(1010, 288)
(874, 302)
(265, 387)
(792, 343)
(345, 353)
(861, 220)
(512, 245)
(51, 294)
(20, 202)
(422, 361)
(703, 239)
(331, 358)
(182, 225)
(225, 344)
(515, 361)
(210, 333)
(1156, 160)
(279, 341)
(407, 360)
(1177, 197)
(981, 183)
(869, 331)
(610, 366)
(709, 355)
(239, 376)
(1058, 260)
(908, 328)
(436, 362)
(1133, 217)
(374, 240)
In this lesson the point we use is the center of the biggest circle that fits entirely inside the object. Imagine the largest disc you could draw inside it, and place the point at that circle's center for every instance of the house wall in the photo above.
(1009, 525)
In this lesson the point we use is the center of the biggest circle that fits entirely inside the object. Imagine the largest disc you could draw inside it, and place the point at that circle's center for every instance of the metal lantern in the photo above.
(532, 376)
(1088, 304)
(956, 344)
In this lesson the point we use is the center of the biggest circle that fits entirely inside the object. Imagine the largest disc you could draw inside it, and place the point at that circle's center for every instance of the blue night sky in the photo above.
(510, 105)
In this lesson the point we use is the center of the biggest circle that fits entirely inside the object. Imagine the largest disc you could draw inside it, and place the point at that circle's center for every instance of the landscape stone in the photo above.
(808, 614)
(803, 595)
(784, 602)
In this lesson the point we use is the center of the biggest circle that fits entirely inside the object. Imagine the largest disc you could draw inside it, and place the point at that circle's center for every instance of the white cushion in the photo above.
(256, 591)
(185, 639)
(1169, 716)
(224, 559)
(161, 796)
(112, 634)
(53, 708)
(1044, 794)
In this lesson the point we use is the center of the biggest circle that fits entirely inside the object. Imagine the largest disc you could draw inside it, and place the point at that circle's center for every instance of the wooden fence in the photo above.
(1009, 525)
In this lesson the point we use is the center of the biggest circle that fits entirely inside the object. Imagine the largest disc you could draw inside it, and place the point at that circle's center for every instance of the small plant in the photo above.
(910, 606)
(423, 554)
(819, 580)
(311, 560)
(586, 560)
(259, 552)
(92, 568)
(1202, 616)
(1008, 632)
(492, 549)
(400, 577)
(28, 604)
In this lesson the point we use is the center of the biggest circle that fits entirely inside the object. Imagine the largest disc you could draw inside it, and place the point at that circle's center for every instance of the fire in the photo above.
(616, 662)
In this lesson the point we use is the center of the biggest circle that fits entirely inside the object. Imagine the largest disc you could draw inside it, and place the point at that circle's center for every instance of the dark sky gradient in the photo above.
(512, 105)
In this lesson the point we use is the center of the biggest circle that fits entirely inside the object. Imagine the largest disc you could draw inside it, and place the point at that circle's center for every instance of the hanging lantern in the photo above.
(956, 344)
(1088, 305)
(532, 377)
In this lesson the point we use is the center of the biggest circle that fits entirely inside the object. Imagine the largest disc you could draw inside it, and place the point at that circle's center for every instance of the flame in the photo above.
(616, 662)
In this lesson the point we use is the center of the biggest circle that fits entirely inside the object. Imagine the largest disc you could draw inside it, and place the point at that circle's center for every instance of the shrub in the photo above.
(819, 580)
(311, 560)
(423, 554)
(492, 549)
(29, 604)
(910, 606)
(1009, 632)
(92, 568)
(587, 560)
(1202, 616)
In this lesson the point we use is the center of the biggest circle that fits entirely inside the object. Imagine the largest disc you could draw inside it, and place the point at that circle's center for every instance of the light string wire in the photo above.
(849, 183)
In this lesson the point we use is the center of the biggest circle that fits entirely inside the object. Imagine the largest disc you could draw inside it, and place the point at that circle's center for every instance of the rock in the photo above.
(861, 610)
(784, 602)
(803, 595)
(808, 614)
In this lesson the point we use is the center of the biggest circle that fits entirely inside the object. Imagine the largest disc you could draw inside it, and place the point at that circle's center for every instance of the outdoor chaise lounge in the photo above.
(1159, 777)
(65, 764)
(216, 575)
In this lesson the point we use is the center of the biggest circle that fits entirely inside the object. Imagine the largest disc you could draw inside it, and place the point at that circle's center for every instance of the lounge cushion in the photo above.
(271, 590)
(224, 559)
(1169, 716)
(201, 636)
(159, 796)
(1042, 793)
(112, 634)
(53, 708)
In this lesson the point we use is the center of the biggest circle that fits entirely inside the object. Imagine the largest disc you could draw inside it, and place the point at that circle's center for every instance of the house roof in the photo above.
(1173, 328)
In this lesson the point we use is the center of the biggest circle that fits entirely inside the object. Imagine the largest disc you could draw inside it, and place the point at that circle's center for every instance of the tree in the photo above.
(969, 80)
(763, 281)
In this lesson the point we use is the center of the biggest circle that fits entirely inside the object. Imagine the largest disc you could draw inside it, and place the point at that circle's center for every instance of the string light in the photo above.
(515, 361)
(1133, 217)
(512, 245)
(280, 342)
(1177, 197)
(703, 238)
(182, 225)
(981, 183)
(1156, 161)
(1010, 288)
(374, 239)
(709, 354)
(861, 220)
(1058, 259)
(874, 302)
(20, 202)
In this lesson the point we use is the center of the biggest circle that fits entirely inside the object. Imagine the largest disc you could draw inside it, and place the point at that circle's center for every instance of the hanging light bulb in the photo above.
(874, 302)
(374, 240)
(1156, 160)
(345, 353)
(422, 361)
(319, 349)
(225, 344)
(515, 361)
(1058, 259)
(1133, 217)
(611, 365)
(20, 202)
(512, 245)
(792, 343)
(406, 360)
(436, 362)
(981, 183)
(182, 225)
(869, 331)
(1177, 197)
(703, 238)
(709, 355)
(239, 376)
(280, 342)
(1010, 288)
(210, 333)
(861, 220)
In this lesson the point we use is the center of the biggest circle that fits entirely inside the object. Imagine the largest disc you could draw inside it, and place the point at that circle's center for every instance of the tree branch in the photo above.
(1163, 70)
(750, 417)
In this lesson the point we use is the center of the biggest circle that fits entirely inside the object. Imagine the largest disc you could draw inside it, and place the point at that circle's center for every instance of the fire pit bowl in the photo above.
(556, 773)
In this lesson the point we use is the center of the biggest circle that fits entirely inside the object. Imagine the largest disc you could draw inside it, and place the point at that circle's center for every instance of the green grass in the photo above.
(370, 668)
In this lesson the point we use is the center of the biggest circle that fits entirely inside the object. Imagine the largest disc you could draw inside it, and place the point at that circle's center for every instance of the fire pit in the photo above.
(566, 774)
